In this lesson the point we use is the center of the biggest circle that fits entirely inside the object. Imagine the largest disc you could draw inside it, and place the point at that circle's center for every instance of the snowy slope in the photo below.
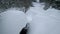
(44, 22)
(13, 21)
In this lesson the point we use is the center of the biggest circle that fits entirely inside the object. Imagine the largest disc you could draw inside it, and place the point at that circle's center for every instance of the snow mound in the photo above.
(13, 21)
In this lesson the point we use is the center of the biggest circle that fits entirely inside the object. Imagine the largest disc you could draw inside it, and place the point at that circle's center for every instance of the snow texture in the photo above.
(41, 21)
(44, 21)
(13, 21)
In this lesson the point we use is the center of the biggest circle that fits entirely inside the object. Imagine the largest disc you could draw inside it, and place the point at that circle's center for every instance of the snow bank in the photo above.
(13, 21)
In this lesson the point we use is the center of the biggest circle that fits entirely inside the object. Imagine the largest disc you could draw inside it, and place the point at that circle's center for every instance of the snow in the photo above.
(13, 21)
(41, 21)
(44, 21)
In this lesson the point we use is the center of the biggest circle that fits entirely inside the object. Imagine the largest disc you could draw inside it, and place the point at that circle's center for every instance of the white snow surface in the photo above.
(13, 21)
(44, 21)
(41, 21)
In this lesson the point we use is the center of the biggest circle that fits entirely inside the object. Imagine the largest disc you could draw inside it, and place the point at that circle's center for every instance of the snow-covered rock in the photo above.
(13, 21)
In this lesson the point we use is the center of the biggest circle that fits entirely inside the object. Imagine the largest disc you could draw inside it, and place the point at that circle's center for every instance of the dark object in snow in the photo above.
(53, 3)
(34, 0)
(48, 3)
(57, 5)
(25, 29)
(41, 1)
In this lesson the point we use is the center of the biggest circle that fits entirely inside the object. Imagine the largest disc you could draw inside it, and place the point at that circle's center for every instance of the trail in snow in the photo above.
(44, 22)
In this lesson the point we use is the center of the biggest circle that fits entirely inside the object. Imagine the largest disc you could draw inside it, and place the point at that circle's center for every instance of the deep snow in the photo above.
(12, 21)
(41, 21)
(44, 21)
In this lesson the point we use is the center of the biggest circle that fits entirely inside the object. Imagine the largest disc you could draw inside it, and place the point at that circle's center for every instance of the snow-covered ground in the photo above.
(41, 21)
(13, 21)
(44, 22)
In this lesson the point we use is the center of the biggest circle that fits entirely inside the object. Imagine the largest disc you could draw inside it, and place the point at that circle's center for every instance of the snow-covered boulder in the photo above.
(13, 21)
